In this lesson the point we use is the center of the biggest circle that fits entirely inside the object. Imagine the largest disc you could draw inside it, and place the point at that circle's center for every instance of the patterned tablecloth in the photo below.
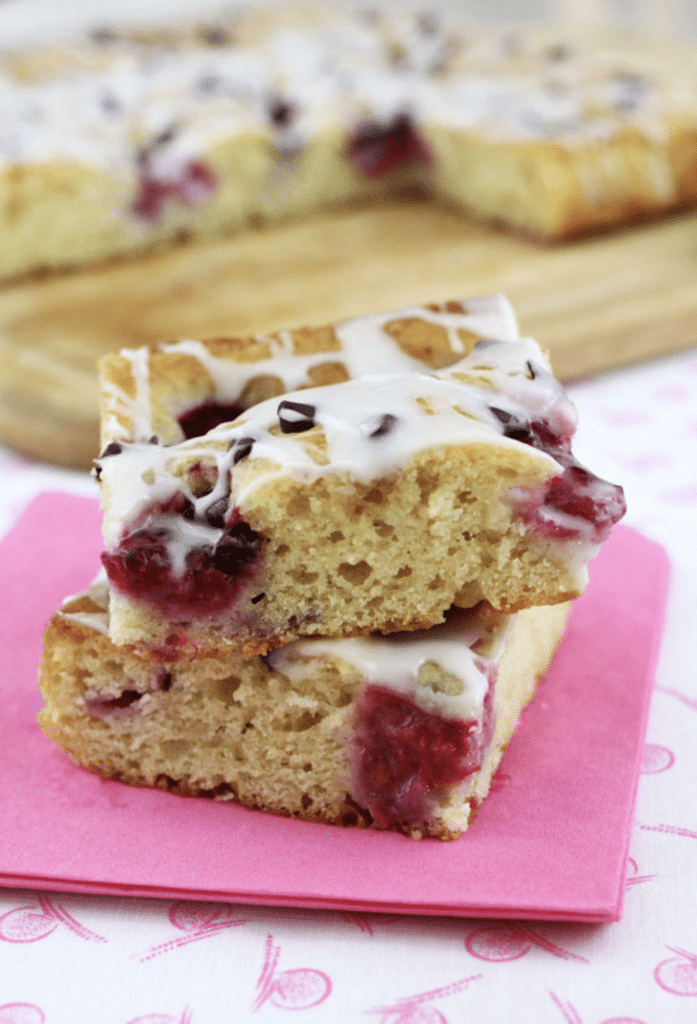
(67, 959)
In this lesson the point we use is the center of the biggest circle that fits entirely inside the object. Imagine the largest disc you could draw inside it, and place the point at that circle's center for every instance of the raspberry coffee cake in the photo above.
(126, 141)
(372, 505)
(333, 603)
(402, 732)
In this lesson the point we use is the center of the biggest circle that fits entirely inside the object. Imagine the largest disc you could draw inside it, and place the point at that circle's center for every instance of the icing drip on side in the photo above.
(98, 594)
(135, 410)
(444, 670)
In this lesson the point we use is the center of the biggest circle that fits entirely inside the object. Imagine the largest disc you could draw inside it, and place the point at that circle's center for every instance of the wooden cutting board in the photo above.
(595, 304)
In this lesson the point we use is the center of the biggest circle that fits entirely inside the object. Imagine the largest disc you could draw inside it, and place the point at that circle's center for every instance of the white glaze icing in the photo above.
(98, 593)
(395, 661)
(366, 349)
(337, 70)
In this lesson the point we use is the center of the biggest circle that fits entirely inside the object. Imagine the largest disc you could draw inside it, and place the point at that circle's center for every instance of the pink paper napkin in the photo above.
(550, 842)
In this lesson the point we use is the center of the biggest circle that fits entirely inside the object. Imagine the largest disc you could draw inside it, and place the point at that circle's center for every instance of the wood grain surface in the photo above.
(596, 304)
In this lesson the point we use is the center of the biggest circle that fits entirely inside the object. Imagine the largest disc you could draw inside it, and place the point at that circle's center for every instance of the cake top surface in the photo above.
(366, 429)
(291, 73)
(144, 390)
(498, 401)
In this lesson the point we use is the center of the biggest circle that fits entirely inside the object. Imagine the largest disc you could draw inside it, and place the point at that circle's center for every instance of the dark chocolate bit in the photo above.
(110, 104)
(113, 448)
(165, 137)
(153, 439)
(216, 512)
(188, 510)
(296, 417)
(513, 426)
(504, 417)
(280, 111)
(559, 52)
(385, 425)
(243, 447)
(103, 36)
(257, 598)
(428, 23)
(235, 549)
(397, 55)
(532, 370)
(144, 153)
(209, 83)
(214, 35)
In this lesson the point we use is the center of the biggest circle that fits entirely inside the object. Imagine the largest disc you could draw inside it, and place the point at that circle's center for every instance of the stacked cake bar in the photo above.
(126, 141)
(335, 602)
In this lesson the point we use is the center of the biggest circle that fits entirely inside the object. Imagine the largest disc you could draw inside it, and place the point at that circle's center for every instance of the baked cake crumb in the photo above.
(325, 731)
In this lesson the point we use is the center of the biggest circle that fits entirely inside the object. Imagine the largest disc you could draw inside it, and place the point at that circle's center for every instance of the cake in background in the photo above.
(128, 140)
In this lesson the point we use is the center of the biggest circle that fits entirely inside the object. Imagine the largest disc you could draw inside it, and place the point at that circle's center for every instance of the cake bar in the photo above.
(401, 732)
(370, 505)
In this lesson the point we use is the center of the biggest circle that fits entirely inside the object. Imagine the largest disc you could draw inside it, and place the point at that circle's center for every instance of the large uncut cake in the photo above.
(128, 140)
